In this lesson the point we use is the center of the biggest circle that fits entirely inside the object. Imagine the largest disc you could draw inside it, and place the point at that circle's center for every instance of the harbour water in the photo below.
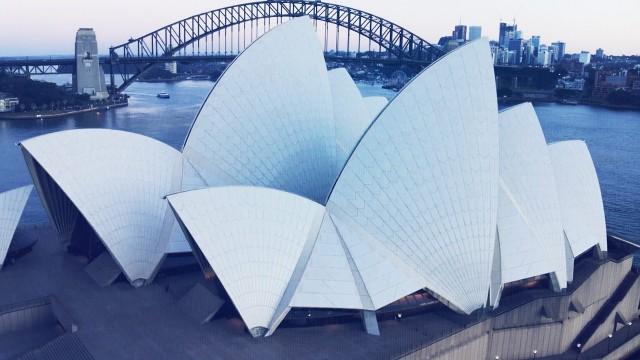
(613, 136)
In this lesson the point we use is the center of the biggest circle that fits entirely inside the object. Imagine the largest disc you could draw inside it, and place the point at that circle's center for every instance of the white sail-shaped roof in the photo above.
(330, 279)
(374, 105)
(386, 276)
(581, 205)
(255, 239)
(117, 181)
(268, 120)
(350, 114)
(12, 205)
(422, 182)
(531, 238)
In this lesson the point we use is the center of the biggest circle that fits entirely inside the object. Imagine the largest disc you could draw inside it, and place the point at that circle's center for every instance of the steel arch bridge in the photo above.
(394, 43)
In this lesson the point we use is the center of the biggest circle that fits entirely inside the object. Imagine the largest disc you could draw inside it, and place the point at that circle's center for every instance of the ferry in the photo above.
(163, 95)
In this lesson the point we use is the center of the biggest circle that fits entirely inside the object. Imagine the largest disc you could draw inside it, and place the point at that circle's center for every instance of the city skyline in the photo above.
(581, 28)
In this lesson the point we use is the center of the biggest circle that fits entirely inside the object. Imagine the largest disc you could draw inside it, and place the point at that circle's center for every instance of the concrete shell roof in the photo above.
(117, 180)
(581, 205)
(422, 181)
(268, 121)
(350, 114)
(256, 239)
(529, 223)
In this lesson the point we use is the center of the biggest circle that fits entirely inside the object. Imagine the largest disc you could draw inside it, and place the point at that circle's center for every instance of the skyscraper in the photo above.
(544, 56)
(507, 32)
(515, 47)
(535, 42)
(554, 50)
(599, 53)
(475, 32)
(561, 49)
(460, 33)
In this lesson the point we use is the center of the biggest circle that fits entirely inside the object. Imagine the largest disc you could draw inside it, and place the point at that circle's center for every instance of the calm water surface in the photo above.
(612, 136)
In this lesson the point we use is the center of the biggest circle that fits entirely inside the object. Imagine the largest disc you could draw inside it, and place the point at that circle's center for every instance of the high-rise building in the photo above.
(561, 46)
(535, 43)
(600, 54)
(528, 55)
(507, 32)
(554, 50)
(475, 32)
(515, 47)
(544, 56)
(460, 33)
(585, 57)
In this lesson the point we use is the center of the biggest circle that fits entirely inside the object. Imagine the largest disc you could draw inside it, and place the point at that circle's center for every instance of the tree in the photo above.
(623, 97)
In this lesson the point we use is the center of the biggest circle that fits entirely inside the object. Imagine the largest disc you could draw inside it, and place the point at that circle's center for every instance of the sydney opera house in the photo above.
(292, 191)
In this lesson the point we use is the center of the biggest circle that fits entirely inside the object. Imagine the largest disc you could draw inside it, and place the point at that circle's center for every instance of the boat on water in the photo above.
(570, 102)
(198, 77)
(163, 95)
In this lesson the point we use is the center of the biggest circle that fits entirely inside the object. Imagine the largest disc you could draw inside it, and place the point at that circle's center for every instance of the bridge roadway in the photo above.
(48, 66)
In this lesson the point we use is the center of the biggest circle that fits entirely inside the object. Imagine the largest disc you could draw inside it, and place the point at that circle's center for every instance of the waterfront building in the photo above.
(333, 225)
(12, 205)
(475, 32)
(8, 103)
(293, 192)
(606, 82)
(353, 226)
(572, 84)
(134, 172)
(88, 77)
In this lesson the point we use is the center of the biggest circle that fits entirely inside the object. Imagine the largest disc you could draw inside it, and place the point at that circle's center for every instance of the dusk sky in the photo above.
(35, 27)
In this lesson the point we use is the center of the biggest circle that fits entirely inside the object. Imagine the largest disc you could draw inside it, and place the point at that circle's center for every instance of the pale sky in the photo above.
(43, 27)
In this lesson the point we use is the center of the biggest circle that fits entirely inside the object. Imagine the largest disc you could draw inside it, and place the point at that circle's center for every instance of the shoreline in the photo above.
(508, 101)
(53, 115)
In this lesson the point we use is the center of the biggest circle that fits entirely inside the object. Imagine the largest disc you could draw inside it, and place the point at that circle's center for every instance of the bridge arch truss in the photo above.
(393, 42)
